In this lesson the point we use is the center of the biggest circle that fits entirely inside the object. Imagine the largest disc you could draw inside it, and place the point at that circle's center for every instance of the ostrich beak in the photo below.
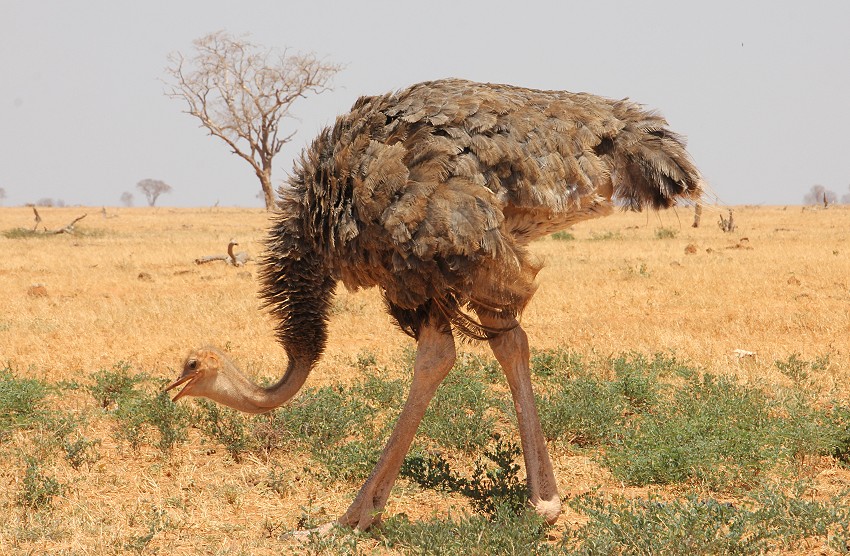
(188, 379)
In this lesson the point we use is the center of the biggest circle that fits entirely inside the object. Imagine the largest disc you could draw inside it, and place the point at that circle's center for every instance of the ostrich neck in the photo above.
(297, 289)
(235, 390)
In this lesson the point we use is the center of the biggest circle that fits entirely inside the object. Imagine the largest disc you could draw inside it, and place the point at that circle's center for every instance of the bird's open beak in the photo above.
(185, 379)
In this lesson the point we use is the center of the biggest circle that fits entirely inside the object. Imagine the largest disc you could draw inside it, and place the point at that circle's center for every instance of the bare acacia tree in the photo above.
(846, 198)
(127, 199)
(153, 189)
(2, 194)
(818, 194)
(240, 92)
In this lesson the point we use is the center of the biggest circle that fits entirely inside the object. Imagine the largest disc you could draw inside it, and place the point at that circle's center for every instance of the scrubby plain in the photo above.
(638, 318)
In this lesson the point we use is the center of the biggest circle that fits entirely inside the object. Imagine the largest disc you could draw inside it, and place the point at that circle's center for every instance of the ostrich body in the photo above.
(432, 194)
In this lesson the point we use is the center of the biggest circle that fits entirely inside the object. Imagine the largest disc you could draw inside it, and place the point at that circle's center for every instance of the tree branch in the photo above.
(240, 95)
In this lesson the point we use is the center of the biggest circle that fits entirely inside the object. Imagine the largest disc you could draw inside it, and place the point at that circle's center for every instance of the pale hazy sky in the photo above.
(760, 89)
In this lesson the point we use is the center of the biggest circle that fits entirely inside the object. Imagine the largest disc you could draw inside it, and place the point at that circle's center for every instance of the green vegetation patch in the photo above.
(26, 233)
(39, 488)
(458, 416)
(144, 414)
(504, 533)
(492, 487)
(665, 233)
(563, 235)
(21, 403)
(769, 520)
(712, 432)
(605, 236)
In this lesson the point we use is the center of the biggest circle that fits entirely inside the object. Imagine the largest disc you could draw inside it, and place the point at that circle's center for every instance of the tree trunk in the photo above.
(268, 191)
(697, 215)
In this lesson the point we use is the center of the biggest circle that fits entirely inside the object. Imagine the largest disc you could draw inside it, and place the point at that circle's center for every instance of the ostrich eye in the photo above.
(192, 364)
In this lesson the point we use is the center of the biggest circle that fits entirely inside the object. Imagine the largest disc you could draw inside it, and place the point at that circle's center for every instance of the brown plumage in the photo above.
(432, 194)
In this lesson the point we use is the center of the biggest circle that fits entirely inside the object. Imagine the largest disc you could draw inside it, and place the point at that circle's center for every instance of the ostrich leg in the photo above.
(435, 356)
(511, 350)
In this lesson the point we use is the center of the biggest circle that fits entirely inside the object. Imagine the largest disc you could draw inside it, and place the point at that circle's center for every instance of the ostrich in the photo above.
(432, 194)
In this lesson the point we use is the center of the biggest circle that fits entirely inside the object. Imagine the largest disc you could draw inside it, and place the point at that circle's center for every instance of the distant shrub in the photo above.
(799, 370)
(563, 235)
(21, 233)
(26, 233)
(605, 236)
(665, 233)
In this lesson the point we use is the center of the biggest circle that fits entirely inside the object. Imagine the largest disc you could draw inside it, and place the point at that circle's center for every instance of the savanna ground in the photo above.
(664, 439)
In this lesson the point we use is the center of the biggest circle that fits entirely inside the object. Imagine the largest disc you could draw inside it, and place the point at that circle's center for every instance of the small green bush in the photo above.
(563, 235)
(366, 361)
(151, 418)
(38, 488)
(660, 365)
(665, 233)
(458, 416)
(381, 393)
(637, 380)
(323, 416)
(143, 416)
(605, 236)
(838, 423)
(577, 406)
(157, 521)
(583, 411)
(489, 489)
(799, 370)
(556, 363)
(349, 461)
(228, 427)
(335, 426)
(21, 403)
(81, 451)
(111, 386)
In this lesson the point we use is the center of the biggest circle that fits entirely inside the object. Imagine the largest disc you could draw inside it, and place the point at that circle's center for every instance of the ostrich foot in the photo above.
(548, 509)
(363, 513)
(360, 516)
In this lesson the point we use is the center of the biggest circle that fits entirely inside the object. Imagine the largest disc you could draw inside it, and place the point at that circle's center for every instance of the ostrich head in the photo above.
(209, 373)
(201, 373)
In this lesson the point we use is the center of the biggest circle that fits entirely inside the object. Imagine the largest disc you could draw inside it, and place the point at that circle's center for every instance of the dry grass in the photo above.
(126, 289)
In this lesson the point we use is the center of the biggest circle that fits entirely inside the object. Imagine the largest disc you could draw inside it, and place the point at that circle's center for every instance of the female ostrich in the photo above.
(432, 194)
